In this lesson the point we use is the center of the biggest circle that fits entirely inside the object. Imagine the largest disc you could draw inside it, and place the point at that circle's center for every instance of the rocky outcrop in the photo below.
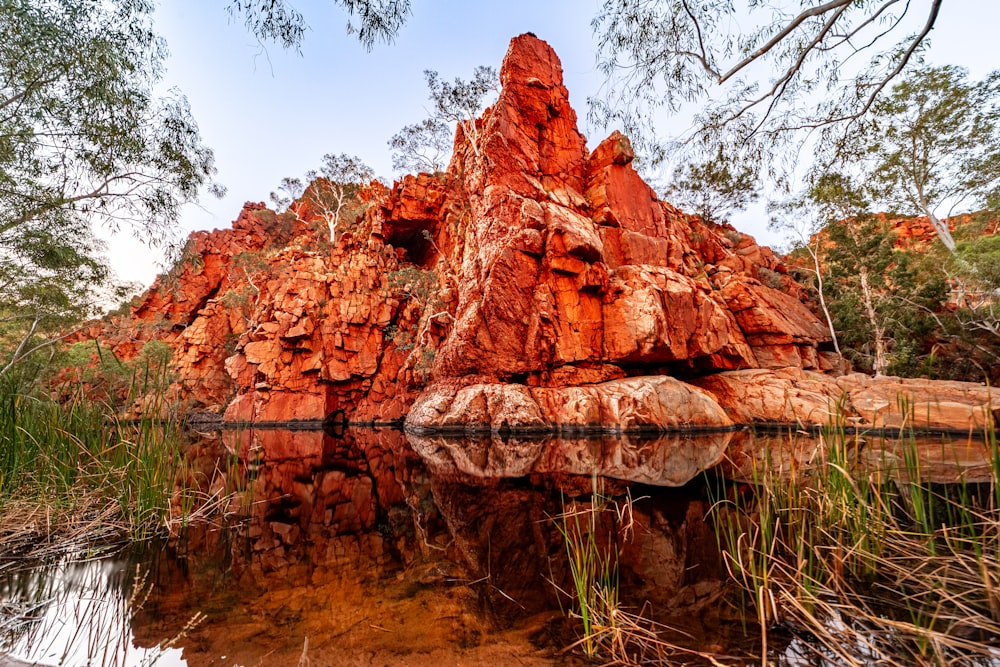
(535, 286)
(570, 270)
(633, 404)
(801, 397)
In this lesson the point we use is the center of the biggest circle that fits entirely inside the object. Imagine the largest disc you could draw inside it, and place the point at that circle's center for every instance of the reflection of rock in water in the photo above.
(354, 542)
(670, 459)
(943, 459)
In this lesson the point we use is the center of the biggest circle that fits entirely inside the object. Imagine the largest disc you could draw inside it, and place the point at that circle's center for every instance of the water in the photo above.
(366, 548)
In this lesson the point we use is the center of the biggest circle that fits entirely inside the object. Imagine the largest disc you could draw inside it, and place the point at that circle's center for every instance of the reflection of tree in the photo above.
(74, 611)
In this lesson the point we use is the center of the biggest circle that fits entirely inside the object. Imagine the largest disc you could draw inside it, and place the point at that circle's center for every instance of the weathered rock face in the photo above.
(796, 396)
(534, 286)
(570, 270)
(632, 404)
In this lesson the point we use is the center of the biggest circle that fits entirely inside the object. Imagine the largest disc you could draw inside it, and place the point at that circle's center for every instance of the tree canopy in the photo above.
(935, 144)
(427, 145)
(278, 21)
(764, 70)
(84, 141)
(331, 192)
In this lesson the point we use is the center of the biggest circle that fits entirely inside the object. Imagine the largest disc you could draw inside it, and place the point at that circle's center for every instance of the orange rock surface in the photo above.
(535, 283)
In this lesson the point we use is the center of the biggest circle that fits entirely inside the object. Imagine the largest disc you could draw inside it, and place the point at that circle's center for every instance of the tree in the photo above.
(804, 218)
(84, 140)
(331, 191)
(456, 103)
(978, 289)
(758, 65)
(278, 21)
(877, 302)
(715, 187)
(935, 140)
(423, 146)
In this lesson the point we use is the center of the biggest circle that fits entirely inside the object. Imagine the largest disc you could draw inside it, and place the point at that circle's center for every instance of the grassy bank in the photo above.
(865, 564)
(74, 473)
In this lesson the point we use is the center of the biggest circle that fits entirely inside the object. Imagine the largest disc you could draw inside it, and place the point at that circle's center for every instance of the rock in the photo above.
(534, 286)
(656, 403)
(895, 403)
(797, 396)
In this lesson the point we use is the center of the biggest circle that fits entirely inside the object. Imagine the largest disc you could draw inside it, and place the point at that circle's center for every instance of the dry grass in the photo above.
(867, 566)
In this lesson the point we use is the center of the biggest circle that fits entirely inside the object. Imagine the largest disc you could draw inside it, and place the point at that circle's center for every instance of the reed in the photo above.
(77, 468)
(592, 554)
(867, 562)
(593, 532)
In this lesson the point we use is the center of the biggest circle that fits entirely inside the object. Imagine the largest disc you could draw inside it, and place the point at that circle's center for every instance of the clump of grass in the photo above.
(74, 469)
(867, 563)
(593, 532)
(592, 553)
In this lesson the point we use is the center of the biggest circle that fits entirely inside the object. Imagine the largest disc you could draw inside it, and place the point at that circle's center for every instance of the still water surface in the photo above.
(365, 547)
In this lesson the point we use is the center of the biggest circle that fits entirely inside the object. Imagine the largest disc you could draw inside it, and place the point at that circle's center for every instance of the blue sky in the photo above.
(271, 113)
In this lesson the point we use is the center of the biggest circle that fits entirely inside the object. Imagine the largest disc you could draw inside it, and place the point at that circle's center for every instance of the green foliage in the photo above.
(184, 259)
(417, 283)
(84, 140)
(983, 255)
(460, 100)
(99, 375)
(770, 278)
(934, 143)
(878, 302)
(423, 146)
(589, 534)
(768, 75)
(714, 188)
(237, 299)
(77, 459)
(278, 21)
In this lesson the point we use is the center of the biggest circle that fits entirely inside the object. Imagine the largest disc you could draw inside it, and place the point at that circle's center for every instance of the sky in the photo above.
(270, 113)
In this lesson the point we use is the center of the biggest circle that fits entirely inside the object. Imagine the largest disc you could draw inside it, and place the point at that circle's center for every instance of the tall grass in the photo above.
(77, 468)
(593, 532)
(588, 532)
(867, 563)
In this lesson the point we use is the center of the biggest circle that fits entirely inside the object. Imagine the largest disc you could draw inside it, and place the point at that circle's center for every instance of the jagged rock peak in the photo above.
(531, 61)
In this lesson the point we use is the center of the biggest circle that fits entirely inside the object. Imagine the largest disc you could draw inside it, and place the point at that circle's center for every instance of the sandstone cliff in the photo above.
(534, 285)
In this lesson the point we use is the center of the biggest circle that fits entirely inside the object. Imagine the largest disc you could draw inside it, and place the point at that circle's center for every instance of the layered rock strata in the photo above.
(534, 286)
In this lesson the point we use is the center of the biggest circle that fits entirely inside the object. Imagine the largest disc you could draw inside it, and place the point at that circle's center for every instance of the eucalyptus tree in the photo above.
(331, 191)
(932, 147)
(715, 187)
(453, 103)
(768, 73)
(424, 146)
(84, 140)
(877, 301)
(935, 144)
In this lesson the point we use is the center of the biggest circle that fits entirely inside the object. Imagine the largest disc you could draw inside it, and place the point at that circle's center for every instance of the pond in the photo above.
(367, 547)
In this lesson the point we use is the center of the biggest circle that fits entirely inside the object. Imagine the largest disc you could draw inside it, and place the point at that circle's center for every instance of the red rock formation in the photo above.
(534, 285)
(796, 396)
(569, 270)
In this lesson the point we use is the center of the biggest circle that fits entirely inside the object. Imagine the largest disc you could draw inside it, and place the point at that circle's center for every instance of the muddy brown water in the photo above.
(368, 548)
